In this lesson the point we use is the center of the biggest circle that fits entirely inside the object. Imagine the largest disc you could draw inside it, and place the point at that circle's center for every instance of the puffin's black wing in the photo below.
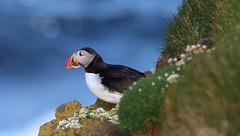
(119, 78)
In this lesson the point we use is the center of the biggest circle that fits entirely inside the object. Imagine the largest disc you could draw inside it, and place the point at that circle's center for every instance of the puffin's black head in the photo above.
(82, 57)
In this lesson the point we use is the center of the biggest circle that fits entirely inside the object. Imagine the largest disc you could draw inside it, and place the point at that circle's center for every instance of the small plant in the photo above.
(84, 113)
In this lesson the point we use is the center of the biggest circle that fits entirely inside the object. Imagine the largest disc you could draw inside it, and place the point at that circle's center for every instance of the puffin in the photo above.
(106, 81)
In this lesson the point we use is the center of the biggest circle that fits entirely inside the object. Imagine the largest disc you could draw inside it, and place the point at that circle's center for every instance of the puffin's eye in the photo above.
(80, 53)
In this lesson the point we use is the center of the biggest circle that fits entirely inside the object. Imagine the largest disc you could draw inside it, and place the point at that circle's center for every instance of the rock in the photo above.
(152, 131)
(206, 41)
(47, 128)
(65, 111)
(92, 126)
(162, 62)
(147, 73)
(99, 103)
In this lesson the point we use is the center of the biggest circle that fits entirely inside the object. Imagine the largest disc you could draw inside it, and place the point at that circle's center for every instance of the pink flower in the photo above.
(193, 47)
(188, 50)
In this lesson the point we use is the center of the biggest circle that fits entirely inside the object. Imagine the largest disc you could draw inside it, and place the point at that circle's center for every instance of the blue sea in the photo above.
(38, 36)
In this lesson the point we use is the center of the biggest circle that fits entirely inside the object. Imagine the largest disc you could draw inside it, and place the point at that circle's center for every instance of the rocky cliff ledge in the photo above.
(90, 126)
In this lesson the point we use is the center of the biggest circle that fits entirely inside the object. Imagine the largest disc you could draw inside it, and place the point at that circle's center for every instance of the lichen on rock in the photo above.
(99, 103)
(69, 113)
(65, 111)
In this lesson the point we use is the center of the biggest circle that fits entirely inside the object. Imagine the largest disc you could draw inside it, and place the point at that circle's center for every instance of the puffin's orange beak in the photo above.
(72, 63)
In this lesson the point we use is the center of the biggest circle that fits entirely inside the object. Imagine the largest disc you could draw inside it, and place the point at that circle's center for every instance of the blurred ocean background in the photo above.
(38, 36)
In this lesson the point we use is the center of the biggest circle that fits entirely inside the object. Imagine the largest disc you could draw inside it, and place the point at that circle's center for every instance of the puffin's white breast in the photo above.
(98, 89)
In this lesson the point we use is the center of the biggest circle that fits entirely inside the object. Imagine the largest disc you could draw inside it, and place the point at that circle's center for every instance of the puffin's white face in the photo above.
(80, 58)
(84, 58)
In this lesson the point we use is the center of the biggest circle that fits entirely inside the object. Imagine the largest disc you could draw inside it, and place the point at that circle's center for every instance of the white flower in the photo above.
(113, 109)
(209, 51)
(188, 50)
(83, 115)
(62, 122)
(159, 77)
(140, 89)
(182, 62)
(100, 110)
(115, 117)
(69, 123)
(199, 45)
(178, 69)
(204, 47)
(175, 59)
(179, 63)
(104, 114)
(166, 74)
(170, 60)
(110, 117)
(74, 114)
(182, 56)
(152, 70)
(153, 83)
(189, 58)
(73, 122)
(173, 78)
(113, 121)
(71, 118)
(83, 110)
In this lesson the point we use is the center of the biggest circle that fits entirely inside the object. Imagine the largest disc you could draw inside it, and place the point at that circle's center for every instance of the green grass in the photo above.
(206, 100)
(190, 24)
(141, 105)
(225, 30)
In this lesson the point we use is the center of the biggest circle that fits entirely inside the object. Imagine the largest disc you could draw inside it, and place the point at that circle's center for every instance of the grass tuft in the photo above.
(190, 24)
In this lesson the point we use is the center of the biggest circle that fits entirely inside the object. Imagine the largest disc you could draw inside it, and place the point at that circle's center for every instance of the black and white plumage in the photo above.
(106, 81)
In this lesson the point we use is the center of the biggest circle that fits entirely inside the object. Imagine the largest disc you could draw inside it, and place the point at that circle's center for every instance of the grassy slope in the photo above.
(206, 100)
